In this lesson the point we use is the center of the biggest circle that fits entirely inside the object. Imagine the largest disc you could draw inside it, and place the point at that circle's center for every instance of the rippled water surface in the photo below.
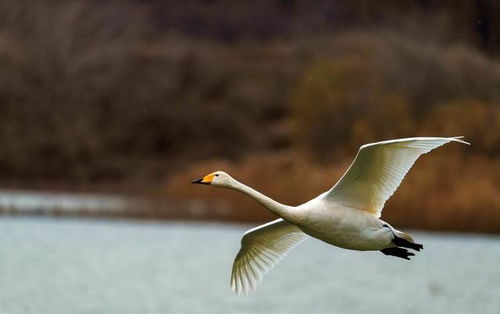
(87, 266)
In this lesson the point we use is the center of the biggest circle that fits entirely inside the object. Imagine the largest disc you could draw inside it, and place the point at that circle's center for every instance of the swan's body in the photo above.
(342, 226)
(346, 216)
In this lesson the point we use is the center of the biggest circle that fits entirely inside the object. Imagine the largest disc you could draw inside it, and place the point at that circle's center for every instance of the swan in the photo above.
(345, 216)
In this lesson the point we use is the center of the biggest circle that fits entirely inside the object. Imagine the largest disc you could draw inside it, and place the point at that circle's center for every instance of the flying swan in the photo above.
(346, 216)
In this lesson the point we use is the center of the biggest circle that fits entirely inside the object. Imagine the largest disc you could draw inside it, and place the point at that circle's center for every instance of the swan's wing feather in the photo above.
(378, 170)
(261, 249)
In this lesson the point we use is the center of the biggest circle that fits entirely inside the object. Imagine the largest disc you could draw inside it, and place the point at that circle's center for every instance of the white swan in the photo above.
(346, 216)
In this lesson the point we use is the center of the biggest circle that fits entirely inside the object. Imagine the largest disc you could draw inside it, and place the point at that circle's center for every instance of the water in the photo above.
(88, 266)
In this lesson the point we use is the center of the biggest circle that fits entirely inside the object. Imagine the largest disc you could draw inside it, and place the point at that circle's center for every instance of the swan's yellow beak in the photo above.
(205, 180)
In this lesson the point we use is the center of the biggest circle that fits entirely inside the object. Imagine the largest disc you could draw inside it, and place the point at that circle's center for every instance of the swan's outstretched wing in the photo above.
(261, 249)
(378, 169)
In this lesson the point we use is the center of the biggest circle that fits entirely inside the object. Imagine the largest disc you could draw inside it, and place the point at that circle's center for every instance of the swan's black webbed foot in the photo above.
(407, 244)
(398, 252)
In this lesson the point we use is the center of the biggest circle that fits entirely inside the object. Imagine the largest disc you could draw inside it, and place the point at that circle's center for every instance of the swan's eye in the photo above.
(216, 175)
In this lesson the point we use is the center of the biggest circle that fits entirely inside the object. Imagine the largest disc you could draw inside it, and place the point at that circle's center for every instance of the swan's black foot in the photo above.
(407, 244)
(397, 251)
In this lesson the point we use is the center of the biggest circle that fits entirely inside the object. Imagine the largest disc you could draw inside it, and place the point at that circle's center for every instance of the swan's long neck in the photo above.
(281, 210)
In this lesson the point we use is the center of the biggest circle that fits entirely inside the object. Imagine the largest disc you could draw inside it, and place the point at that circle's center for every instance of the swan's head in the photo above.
(217, 178)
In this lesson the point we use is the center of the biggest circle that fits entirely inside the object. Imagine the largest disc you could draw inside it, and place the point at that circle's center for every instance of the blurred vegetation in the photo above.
(382, 85)
(133, 93)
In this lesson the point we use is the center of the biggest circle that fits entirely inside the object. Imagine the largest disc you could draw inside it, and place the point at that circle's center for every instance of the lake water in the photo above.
(90, 266)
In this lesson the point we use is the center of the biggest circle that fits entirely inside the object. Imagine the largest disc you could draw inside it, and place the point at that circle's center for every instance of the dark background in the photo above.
(142, 96)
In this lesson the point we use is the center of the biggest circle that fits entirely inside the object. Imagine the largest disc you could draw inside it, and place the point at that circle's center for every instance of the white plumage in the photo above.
(378, 170)
(346, 216)
(261, 249)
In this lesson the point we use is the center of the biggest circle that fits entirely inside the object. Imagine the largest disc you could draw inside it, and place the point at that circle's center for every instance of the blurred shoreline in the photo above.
(107, 205)
(20, 202)
(194, 203)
